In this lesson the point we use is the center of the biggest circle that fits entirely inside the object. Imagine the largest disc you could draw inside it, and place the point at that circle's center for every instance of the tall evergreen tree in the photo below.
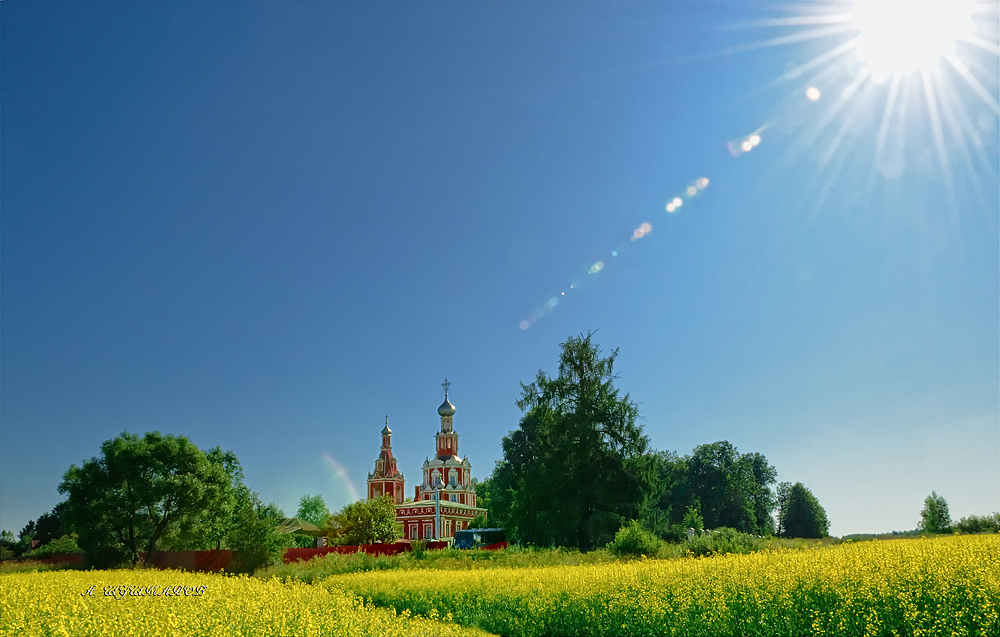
(803, 515)
(570, 472)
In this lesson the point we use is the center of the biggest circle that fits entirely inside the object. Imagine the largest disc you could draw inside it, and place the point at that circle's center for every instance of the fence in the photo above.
(217, 560)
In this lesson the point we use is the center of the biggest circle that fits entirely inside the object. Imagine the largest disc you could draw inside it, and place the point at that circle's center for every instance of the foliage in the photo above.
(56, 603)
(693, 520)
(365, 522)
(421, 558)
(313, 510)
(253, 537)
(732, 489)
(802, 515)
(979, 524)
(479, 522)
(633, 539)
(25, 566)
(934, 517)
(721, 541)
(65, 545)
(300, 540)
(940, 586)
(568, 475)
(123, 502)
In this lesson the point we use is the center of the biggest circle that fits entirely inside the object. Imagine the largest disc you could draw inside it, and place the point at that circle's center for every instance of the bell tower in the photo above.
(386, 479)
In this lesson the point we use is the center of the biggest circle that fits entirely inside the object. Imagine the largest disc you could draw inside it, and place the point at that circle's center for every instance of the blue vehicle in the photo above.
(475, 538)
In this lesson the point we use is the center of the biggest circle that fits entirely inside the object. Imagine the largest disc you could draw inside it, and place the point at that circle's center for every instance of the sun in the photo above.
(901, 37)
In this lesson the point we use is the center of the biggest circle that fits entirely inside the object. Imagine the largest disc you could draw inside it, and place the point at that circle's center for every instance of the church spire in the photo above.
(446, 409)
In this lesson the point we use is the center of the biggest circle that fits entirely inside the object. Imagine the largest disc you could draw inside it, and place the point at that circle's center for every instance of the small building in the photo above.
(445, 501)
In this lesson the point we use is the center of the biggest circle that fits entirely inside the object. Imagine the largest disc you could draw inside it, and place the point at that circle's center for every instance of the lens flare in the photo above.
(812, 94)
(594, 268)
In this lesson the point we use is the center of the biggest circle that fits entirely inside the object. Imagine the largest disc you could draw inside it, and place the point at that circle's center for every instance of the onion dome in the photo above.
(386, 431)
(446, 408)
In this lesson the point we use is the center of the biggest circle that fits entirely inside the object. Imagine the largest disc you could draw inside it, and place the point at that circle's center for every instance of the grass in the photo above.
(450, 559)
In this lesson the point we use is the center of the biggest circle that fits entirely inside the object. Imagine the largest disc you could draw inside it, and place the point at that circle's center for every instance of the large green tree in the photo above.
(139, 488)
(313, 510)
(365, 522)
(572, 471)
(801, 513)
(252, 533)
(733, 489)
(934, 518)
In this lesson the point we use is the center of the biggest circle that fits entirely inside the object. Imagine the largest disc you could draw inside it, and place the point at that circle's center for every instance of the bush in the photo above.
(633, 539)
(65, 545)
(418, 548)
(722, 540)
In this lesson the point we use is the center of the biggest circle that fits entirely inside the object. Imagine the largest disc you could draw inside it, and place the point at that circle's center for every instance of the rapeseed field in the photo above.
(942, 586)
(162, 603)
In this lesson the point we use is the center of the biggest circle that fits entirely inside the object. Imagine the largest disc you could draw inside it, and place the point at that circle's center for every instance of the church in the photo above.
(445, 501)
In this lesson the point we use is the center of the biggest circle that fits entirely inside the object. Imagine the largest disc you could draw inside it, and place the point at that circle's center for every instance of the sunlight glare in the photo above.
(898, 38)
(812, 93)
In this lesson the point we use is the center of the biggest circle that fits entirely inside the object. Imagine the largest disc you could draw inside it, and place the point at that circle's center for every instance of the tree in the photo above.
(934, 517)
(479, 522)
(313, 510)
(803, 515)
(252, 536)
(123, 502)
(569, 475)
(979, 524)
(365, 522)
(733, 490)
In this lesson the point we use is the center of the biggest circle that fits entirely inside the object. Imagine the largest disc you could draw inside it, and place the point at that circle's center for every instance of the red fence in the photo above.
(207, 561)
(293, 555)
(213, 561)
(73, 559)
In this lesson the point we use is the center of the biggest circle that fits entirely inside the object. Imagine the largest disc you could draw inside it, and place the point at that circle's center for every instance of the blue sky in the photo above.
(267, 225)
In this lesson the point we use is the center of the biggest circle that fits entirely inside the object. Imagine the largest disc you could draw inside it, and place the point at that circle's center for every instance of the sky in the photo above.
(267, 226)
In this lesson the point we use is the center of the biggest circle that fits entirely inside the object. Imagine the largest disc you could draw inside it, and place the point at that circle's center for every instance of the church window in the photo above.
(454, 498)
(413, 531)
(427, 531)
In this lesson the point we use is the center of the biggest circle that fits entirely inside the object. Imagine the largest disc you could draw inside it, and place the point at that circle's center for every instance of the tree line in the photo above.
(578, 469)
(161, 492)
(579, 466)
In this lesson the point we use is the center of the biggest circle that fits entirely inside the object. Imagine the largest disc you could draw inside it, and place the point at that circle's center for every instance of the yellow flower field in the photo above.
(161, 603)
(943, 586)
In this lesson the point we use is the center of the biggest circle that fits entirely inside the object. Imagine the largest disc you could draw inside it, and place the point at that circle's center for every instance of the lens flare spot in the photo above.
(597, 267)
(746, 146)
(812, 93)
(677, 202)
(701, 183)
(691, 191)
(524, 325)
(614, 253)
(671, 207)
(754, 140)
